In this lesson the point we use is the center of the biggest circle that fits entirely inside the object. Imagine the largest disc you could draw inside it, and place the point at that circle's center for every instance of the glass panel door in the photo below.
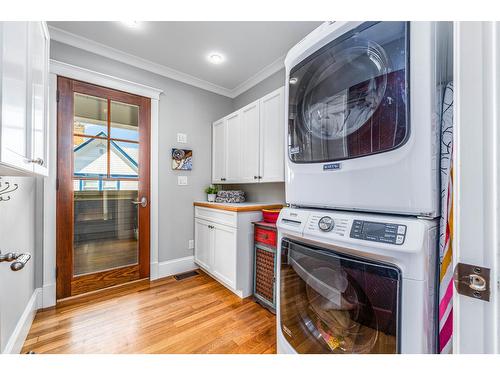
(105, 173)
(350, 99)
(333, 303)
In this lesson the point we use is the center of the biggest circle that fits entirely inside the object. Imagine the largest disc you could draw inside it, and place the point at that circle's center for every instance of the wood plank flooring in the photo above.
(194, 315)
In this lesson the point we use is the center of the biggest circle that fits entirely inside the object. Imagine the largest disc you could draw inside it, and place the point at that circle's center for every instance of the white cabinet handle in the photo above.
(38, 161)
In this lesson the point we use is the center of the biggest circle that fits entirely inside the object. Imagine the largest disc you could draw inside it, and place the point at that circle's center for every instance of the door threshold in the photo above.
(84, 297)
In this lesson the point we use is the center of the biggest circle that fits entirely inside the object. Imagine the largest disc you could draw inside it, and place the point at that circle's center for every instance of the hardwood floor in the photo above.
(195, 315)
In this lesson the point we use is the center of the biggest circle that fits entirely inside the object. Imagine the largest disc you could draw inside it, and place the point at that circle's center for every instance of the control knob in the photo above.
(326, 223)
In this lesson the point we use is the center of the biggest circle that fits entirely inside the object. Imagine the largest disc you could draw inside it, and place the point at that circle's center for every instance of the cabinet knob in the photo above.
(255, 177)
(223, 179)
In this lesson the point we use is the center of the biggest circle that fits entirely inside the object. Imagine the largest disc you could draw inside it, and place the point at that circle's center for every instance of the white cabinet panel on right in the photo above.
(248, 145)
(225, 248)
(272, 112)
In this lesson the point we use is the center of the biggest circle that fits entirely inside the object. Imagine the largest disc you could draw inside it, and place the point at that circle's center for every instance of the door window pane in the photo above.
(332, 303)
(105, 226)
(350, 98)
(124, 159)
(91, 115)
(124, 121)
(90, 156)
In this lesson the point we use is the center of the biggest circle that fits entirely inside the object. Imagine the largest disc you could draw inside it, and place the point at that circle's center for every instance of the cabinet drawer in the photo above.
(265, 236)
(217, 216)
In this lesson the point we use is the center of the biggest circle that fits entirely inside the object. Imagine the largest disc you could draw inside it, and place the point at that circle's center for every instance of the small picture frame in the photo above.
(182, 160)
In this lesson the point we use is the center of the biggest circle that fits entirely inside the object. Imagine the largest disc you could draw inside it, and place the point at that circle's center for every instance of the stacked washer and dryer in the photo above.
(358, 263)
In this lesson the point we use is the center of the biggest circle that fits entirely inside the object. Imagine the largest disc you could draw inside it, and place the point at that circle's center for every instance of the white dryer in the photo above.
(362, 105)
(355, 283)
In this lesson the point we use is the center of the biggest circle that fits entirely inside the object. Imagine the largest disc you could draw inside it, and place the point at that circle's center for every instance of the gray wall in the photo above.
(17, 234)
(185, 109)
(271, 83)
(270, 192)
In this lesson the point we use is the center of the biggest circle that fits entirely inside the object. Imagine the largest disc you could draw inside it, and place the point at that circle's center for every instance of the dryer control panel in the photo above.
(378, 232)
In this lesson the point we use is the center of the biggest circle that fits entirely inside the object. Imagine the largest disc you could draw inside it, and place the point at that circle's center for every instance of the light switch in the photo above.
(182, 180)
(182, 138)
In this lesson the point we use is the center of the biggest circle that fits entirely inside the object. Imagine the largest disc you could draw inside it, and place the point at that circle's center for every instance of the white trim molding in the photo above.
(89, 45)
(175, 266)
(16, 340)
(268, 71)
(49, 209)
(75, 72)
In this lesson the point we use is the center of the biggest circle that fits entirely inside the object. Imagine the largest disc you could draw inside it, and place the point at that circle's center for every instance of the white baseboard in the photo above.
(48, 295)
(16, 340)
(175, 266)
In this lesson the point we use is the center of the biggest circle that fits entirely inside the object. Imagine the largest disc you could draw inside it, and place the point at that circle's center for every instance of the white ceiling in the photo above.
(253, 50)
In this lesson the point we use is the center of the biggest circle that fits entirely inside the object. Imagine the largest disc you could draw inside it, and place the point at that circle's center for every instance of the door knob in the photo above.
(143, 202)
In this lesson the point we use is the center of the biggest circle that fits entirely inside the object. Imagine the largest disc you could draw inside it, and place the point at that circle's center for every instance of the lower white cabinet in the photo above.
(224, 247)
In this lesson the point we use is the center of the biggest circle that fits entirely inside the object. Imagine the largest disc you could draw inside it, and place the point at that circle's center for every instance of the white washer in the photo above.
(355, 283)
(362, 110)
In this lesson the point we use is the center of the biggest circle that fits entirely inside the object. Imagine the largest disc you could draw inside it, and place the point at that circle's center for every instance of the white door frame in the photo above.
(49, 185)
(476, 181)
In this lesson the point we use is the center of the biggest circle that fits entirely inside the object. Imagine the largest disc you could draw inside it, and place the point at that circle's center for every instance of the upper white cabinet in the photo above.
(218, 151)
(248, 145)
(24, 66)
(272, 139)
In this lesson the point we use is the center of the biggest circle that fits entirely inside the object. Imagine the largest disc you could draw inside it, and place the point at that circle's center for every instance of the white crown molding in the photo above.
(261, 75)
(126, 58)
(90, 76)
(77, 41)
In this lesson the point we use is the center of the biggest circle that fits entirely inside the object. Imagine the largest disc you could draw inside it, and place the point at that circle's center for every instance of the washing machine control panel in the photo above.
(378, 232)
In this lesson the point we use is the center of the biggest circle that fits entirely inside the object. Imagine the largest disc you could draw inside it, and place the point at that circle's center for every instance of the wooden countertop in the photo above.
(239, 207)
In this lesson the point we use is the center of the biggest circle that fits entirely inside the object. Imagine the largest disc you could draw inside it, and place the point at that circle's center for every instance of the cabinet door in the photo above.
(272, 137)
(224, 254)
(203, 243)
(233, 147)
(218, 151)
(15, 137)
(38, 43)
(250, 143)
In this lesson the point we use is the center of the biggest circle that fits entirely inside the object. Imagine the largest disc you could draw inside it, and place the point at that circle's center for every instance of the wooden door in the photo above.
(272, 137)
(218, 151)
(250, 143)
(103, 172)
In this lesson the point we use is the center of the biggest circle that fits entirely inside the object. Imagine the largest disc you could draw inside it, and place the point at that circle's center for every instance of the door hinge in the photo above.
(472, 281)
(57, 96)
(57, 183)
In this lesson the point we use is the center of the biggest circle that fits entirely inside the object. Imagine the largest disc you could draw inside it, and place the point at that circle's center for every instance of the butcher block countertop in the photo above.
(239, 207)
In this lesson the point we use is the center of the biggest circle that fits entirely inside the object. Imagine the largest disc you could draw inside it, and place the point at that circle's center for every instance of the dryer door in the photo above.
(333, 303)
(350, 98)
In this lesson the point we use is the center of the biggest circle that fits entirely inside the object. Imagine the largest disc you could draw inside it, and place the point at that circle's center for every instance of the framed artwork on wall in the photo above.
(182, 160)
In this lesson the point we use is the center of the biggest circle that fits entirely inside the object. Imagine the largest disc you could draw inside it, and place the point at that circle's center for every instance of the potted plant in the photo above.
(211, 193)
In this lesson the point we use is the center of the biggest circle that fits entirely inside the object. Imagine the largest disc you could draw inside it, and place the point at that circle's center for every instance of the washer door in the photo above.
(332, 303)
(349, 99)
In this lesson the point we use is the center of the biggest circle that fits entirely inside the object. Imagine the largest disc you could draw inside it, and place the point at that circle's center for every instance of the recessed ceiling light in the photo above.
(131, 24)
(293, 80)
(215, 58)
